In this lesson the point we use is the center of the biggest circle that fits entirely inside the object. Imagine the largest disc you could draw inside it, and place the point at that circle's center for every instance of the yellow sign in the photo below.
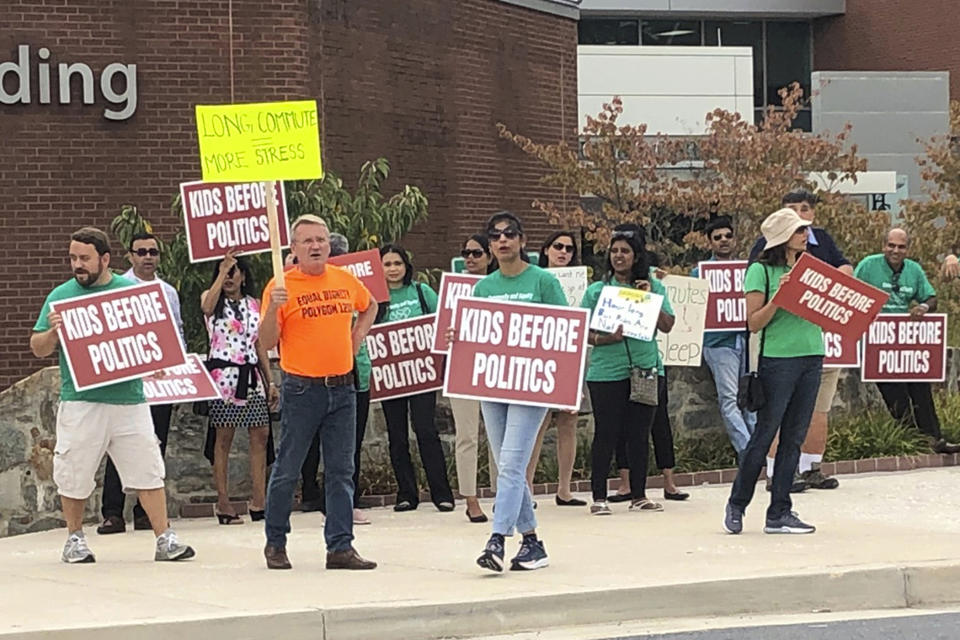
(259, 141)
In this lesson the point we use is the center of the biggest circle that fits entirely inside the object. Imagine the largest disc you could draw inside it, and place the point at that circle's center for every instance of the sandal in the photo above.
(228, 518)
(645, 504)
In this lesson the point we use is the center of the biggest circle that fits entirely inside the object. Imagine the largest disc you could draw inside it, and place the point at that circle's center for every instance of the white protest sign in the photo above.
(636, 310)
(683, 346)
(574, 283)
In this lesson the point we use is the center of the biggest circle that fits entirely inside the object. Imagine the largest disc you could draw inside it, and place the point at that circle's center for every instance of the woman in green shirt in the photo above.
(608, 376)
(791, 357)
(409, 299)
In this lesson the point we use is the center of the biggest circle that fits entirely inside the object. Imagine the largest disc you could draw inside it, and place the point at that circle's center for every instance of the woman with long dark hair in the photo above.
(409, 299)
(239, 366)
(609, 375)
(559, 250)
(791, 356)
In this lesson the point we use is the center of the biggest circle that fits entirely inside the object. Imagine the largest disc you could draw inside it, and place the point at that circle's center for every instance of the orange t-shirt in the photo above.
(316, 320)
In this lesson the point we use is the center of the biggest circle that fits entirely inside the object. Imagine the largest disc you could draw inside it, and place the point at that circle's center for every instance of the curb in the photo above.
(892, 587)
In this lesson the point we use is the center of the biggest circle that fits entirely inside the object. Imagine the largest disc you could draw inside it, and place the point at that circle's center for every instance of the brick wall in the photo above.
(420, 82)
(891, 35)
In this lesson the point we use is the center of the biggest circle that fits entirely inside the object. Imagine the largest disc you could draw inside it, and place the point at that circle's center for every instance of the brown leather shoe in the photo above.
(276, 558)
(348, 559)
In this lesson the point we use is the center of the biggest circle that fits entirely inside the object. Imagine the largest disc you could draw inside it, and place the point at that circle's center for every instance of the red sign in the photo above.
(230, 215)
(829, 298)
(517, 352)
(898, 348)
(118, 335)
(403, 364)
(453, 286)
(186, 383)
(368, 267)
(840, 352)
(726, 307)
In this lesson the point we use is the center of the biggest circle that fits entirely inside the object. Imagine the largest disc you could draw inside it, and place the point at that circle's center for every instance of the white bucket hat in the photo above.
(779, 226)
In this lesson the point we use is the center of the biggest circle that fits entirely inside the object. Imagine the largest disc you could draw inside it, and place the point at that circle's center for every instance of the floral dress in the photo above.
(233, 339)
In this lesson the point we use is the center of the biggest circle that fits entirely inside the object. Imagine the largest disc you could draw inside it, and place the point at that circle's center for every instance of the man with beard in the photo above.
(144, 255)
(113, 419)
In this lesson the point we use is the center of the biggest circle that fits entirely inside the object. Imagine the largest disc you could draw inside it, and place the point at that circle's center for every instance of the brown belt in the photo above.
(327, 381)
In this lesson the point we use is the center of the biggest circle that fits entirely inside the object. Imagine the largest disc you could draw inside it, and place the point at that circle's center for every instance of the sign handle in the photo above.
(274, 225)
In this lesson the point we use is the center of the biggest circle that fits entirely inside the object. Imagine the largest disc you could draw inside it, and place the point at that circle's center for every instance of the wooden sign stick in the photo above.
(274, 225)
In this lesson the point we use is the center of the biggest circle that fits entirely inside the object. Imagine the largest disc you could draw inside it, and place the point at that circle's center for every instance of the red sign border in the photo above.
(436, 335)
(284, 220)
(946, 346)
(701, 276)
(386, 287)
(430, 353)
(102, 294)
(206, 374)
(534, 307)
(859, 365)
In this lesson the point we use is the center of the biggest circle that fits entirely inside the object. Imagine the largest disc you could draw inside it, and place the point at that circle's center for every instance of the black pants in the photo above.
(615, 416)
(661, 431)
(911, 404)
(311, 465)
(113, 497)
(421, 410)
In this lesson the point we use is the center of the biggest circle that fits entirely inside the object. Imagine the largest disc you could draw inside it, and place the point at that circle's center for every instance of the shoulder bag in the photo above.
(750, 396)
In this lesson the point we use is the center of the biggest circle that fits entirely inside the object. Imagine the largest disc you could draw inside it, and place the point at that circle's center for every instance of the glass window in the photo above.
(608, 31)
(788, 57)
(741, 34)
(671, 32)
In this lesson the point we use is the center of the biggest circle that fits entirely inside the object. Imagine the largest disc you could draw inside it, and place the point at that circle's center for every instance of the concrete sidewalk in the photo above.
(883, 541)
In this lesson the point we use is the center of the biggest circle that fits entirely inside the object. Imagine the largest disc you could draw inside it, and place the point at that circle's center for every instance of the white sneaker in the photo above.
(76, 551)
(600, 508)
(170, 549)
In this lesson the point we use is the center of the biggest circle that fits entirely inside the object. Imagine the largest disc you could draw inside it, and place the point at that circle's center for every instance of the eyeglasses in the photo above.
(559, 246)
(509, 233)
(472, 253)
(722, 236)
(147, 252)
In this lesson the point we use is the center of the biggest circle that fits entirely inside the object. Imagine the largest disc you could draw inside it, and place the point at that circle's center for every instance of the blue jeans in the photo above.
(309, 407)
(512, 432)
(727, 365)
(790, 386)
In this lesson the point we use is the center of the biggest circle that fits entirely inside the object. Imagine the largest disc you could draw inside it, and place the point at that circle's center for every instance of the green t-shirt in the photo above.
(609, 362)
(787, 335)
(533, 284)
(129, 392)
(910, 284)
(405, 303)
(363, 368)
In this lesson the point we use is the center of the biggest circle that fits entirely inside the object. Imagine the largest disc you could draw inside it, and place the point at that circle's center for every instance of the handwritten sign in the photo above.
(222, 215)
(573, 280)
(118, 335)
(402, 362)
(829, 298)
(840, 352)
(636, 310)
(683, 346)
(368, 268)
(188, 382)
(517, 352)
(259, 141)
(726, 306)
(898, 348)
(453, 287)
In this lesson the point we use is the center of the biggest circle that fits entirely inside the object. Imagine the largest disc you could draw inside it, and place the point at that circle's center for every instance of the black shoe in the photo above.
(816, 480)
(942, 446)
(733, 519)
(572, 502)
(445, 507)
(789, 523)
(257, 515)
(142, 523)
(112, 524)
(492, 556)
(619, 497)
(404, 505)
(676, 495)
(477, 519)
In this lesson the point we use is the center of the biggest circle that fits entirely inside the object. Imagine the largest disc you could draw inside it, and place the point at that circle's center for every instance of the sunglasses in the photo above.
(559, 246)
(509, 233)
(472, 253)
(147, 252)
(621, 234)
(722, 236)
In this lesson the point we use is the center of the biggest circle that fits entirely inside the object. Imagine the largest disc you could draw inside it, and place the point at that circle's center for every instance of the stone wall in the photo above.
(28, 497)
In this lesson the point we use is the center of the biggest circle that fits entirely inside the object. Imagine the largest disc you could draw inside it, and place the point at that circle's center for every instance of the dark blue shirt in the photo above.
(819, 244)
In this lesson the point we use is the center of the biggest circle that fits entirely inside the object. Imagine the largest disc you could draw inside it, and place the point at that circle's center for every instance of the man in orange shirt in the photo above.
(312, 321)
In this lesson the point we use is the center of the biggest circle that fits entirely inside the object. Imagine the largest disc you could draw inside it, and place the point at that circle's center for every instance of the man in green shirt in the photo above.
(909, 402)
(113, 419)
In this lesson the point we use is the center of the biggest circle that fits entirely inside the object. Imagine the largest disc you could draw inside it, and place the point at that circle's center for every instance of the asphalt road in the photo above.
(929, 627)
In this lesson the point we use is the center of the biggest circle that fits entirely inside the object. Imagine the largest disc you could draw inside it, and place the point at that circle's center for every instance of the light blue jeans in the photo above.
(727, 364)
(512, 432)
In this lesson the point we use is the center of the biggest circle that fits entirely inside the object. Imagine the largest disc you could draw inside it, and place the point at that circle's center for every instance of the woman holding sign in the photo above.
(791, 357)
(559, 250)
(409, 299)
(239, 365)
(617, 365)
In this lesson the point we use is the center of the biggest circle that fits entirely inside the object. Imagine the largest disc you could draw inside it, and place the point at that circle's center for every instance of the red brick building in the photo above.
(422, 83)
